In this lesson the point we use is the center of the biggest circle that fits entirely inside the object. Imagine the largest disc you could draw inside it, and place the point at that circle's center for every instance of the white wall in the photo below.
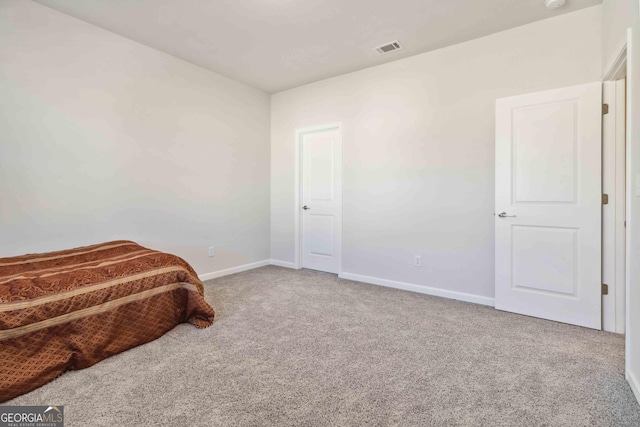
(419, 149)
(633, 145)
(102, 138)
(633, 148)
(616, 18)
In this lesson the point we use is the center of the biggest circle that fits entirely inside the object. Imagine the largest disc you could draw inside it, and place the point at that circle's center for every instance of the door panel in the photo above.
(548, 192)
(553, 247)
(320, 234)
(320, 163)
(549, 145)
(321, 200)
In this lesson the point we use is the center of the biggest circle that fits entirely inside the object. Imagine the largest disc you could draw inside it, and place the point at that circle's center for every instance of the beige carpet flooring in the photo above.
(302, 348)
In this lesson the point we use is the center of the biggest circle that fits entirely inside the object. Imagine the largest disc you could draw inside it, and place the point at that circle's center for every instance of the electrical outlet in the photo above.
(417, 260)
(212, 251)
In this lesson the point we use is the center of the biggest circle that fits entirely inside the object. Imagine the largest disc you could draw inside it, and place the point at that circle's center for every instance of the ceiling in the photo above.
(275, 45)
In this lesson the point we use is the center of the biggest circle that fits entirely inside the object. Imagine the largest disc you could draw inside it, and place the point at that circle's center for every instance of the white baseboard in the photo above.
(285, 264)
(635, 385)
(233, 270)
(420, 288)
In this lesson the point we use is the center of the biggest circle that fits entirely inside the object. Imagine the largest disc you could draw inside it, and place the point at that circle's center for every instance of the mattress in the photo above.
(70, 309)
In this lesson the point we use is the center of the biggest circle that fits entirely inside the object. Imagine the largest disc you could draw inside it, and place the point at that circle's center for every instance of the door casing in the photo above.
(614, 213)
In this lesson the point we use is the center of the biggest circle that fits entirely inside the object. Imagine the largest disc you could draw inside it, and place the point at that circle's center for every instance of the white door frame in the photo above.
(618, 68)
(616, 71)
(613, 183)
(300, 133)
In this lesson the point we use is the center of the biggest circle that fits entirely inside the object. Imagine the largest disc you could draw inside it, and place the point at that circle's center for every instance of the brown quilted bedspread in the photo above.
(71, 309)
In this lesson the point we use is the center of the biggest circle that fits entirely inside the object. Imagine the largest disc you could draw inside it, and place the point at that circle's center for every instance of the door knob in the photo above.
(306, 208)
(504, 215)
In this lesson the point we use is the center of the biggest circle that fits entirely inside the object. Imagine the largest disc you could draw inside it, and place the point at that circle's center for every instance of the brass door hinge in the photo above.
(605, 109)
(605, 289)
(605, 199)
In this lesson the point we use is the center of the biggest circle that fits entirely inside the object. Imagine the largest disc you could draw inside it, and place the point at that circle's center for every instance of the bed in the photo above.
(70, 309)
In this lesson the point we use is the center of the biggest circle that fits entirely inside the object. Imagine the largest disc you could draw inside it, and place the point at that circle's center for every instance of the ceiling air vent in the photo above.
(389, 47)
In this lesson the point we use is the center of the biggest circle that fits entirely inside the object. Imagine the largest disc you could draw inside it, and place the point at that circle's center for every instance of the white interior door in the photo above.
(321, 205)
(549, 204)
